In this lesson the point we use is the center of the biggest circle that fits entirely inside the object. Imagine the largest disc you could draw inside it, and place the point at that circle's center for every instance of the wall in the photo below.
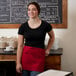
(67, 38)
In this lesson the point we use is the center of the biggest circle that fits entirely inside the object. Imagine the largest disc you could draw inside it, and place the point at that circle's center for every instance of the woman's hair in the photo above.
(36, 5)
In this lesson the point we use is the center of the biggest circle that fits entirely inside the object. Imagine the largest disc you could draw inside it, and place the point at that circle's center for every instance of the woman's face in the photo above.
(32, 11)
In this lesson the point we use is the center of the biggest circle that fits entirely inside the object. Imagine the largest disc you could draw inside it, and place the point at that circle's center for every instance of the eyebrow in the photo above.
(32, 8)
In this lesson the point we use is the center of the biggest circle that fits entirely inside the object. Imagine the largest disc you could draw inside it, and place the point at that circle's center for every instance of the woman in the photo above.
(31, 54)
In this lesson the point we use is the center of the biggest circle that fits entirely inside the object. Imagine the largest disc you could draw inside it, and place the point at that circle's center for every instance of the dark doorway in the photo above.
(7, 68)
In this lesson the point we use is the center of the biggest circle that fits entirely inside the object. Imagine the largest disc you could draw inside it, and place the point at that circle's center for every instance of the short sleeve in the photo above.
(48, 27)
(21, 30)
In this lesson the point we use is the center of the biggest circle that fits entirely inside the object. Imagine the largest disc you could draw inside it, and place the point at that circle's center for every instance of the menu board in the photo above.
(15, 11)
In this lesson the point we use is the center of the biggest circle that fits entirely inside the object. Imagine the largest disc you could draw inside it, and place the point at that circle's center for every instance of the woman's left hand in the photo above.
(47, 52)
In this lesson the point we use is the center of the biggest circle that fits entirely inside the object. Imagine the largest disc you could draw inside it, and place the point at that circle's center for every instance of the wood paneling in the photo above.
(53, 62)
(7, 57)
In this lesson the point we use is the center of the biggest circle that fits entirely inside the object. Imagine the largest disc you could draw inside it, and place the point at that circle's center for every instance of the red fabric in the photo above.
(33, 59)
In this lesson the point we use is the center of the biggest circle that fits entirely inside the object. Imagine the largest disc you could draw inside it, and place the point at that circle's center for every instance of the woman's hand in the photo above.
(19, 68)
(50, 42)
(47, 52)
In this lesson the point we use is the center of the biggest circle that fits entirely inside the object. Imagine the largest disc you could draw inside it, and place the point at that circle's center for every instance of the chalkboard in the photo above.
(15, 11)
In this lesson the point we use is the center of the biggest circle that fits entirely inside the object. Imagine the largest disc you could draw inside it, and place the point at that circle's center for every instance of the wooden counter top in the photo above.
(52, 52)
(2, 52)
(11, 55)
(7, 56)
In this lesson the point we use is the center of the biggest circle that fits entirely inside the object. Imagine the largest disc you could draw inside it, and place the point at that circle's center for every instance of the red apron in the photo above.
(33, 59)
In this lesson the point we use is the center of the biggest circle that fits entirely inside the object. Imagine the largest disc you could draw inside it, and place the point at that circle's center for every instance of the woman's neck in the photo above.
(34, 20)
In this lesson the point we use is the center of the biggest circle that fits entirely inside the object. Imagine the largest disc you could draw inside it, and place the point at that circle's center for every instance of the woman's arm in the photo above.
(50, 42)
(19, 52)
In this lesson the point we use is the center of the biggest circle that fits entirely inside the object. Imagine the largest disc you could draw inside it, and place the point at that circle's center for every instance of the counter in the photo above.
(52, 52)
(11, 55)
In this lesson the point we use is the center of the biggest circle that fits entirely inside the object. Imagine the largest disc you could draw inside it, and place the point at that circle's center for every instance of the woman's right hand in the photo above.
(19, 68)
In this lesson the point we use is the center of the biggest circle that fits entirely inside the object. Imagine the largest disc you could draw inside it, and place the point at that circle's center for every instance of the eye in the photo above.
(28, 9)
(34, 9)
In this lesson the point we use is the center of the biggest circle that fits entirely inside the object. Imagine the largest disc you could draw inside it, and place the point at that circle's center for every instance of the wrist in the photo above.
(47, 50)
(18, 63)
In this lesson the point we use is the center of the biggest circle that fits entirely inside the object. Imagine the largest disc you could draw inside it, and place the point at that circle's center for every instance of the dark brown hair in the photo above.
(36, 5)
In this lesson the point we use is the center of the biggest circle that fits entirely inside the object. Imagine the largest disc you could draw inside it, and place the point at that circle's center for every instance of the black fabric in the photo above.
(35, 37)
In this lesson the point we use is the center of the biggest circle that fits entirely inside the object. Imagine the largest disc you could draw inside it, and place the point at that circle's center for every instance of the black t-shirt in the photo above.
(35, 37)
